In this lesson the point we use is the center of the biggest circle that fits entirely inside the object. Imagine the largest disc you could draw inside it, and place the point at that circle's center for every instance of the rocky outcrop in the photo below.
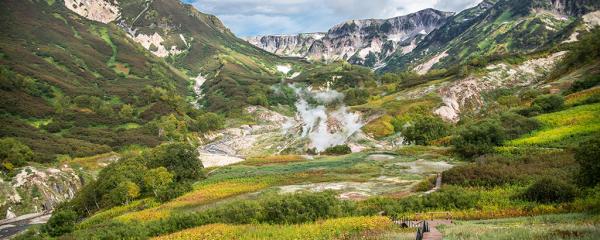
(36, 189)
(367, 42)
(104, 11)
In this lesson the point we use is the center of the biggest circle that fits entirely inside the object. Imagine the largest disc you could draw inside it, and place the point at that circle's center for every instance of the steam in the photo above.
(325, 127)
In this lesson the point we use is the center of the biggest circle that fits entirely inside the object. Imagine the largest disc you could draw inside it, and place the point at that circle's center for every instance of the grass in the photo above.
(342, 228)
(559, 226)
(93, 163)
(564, 128)
(107, 215)
(275, 159)
(579, 98)
(266, 173)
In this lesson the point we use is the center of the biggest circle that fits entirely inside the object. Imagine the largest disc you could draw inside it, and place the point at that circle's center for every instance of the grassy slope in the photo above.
(562, 226)
(564, 128)
(229, 182)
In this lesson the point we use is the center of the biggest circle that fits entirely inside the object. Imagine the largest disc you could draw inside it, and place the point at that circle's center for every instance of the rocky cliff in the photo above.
(367, 42)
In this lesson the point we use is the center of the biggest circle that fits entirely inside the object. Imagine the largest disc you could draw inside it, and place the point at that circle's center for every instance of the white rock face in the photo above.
(457, 94)
(356, 39)
(36, 189)
(154, 43)
(425, 67)
(104, 11)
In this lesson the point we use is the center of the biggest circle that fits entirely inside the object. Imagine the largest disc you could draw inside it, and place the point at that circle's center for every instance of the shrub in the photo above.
(588, 157)
(585, 83)
(338, 150)
(479, 138)
(548, 103)
(550, 190)
(13, 154)
(112, 230)
(516, 125)
(424, 130)
(209, 122)
(356, 96)
(61, 222)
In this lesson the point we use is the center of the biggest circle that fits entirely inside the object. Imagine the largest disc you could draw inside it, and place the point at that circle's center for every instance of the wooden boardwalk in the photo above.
(434, 233)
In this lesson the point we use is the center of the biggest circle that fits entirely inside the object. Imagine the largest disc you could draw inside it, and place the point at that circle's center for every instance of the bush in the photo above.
(479, 138)
(338, 150)
(61, 222)
(550, 190)
(13, 154)
(588, 157)
(424, 130)
(516, 125)
(583, 84)
(112, 230)
(356, 96)
(209, 122)
(548, 103)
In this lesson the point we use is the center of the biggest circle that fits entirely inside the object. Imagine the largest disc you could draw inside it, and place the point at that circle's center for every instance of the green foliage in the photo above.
(548, 103)
(209, 122)
(158, 180)
(356, 96)
(61, 222)
(585, 83)
(516, 125)
(479, 138)
(425, 129)
(13, 154)
(550, 190)
(500, 170)
(179, 158)
(448, 198)
(338, 150)
(588, 157)
(273, 209)
(111, 230)
(124, 192)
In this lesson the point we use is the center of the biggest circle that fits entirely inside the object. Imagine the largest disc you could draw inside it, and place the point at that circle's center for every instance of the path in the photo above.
(438, 184)
(9, 228)
(433, 233)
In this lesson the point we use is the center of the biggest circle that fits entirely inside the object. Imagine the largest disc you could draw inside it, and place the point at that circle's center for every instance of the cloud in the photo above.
(260, 17)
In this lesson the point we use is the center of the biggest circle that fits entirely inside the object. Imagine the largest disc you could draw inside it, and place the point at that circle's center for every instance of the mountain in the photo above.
(493, 29)
(366, 42)
(86, 77)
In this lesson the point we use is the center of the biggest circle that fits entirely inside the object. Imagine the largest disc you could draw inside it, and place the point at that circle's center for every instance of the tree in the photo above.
(171, 127)
(209, 122)
(588, 157)
(13, 154)
(158, 180)
(479, 138)
(127, 112)
(125, 192)
(61, 222)
(424, 130)
(181, 159)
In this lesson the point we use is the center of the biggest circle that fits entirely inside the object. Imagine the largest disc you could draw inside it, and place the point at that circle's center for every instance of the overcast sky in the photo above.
(262, 17)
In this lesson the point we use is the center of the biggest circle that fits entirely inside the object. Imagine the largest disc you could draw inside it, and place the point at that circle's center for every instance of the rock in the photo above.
(355, 40)
(103, 11)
